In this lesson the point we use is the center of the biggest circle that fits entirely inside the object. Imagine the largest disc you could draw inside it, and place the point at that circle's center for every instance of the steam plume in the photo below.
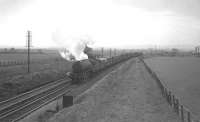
(72, 48)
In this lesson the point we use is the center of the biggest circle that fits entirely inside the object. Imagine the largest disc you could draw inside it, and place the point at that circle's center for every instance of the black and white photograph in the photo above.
(99, 60)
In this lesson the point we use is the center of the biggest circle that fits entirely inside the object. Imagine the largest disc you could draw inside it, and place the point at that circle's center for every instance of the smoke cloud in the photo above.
(72, 48)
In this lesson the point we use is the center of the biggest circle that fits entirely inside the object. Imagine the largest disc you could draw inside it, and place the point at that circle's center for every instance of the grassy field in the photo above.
(23, 56)
(14, 79)
(182, 76)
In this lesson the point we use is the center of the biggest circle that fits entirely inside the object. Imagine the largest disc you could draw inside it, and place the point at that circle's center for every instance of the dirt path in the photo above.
(128, 94)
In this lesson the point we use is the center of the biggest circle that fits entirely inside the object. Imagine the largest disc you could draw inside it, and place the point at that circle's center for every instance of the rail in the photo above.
(183, 112)
(22, 105)
(18, 98)
(43, 104)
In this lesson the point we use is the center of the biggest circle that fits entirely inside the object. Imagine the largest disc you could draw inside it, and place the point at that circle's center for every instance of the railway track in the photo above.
(20, 106)
(16, 108)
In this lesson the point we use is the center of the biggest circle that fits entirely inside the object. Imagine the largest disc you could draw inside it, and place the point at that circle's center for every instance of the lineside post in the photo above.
(28, 46)
(110, 52)
(182, 114)
(170, 98)
(173, 100)
(189, 118)
(102, 52)
(67, 101)
(177, 101)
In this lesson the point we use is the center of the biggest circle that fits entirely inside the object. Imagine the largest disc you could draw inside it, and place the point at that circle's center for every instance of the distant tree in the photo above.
(175, 50)
(12, 49)
(39, 50)
(5, 49)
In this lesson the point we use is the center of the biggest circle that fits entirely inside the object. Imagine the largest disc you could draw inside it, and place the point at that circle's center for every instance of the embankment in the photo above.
(128, 94)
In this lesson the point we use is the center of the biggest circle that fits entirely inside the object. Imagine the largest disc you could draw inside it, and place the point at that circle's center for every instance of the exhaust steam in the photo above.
(73, 49)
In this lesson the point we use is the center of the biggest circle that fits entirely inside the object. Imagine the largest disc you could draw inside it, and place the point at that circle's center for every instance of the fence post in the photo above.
(162, 89)
(173, 101)
(189, 119)
(165, 93)
(170, 98)
(177, 107)
(182, 114)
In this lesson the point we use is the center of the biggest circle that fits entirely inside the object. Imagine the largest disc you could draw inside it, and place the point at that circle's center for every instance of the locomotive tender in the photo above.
(85, 69)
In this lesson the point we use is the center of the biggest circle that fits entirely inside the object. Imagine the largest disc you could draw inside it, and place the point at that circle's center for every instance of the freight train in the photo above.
(85, 69)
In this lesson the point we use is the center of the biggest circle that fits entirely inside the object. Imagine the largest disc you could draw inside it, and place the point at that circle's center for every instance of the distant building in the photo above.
(174, 52)
(197, 51)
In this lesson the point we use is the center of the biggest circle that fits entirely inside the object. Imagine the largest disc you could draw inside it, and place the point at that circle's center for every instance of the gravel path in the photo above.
(128, 94)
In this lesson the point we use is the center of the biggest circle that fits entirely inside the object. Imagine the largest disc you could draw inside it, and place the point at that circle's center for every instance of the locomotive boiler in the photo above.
(82, 70)
(80, 66)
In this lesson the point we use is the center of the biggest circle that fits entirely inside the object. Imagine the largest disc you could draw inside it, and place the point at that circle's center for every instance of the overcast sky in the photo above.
(110, 23)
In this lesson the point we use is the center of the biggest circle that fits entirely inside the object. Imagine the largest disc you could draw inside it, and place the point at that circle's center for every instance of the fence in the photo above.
(23, 62)
(184, 113)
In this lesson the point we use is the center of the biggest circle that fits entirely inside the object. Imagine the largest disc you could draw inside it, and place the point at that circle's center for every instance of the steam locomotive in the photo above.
(85, 69)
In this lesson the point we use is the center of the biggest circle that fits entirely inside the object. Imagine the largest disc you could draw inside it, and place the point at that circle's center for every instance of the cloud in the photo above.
(182, 7)
(8, 7)
(135, 22)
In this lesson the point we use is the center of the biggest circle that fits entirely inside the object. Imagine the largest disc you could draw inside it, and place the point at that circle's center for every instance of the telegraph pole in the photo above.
(102, 52)
(110, 52)
(28, 46)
